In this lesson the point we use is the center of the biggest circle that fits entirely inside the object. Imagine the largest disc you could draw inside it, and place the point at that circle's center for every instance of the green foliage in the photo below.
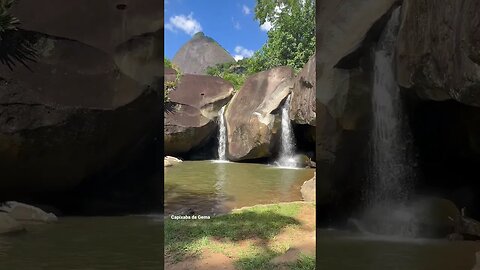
(305, 262)
(167, 62)
(234, 72)
(187, 238)
(291, 41)
(169, 85)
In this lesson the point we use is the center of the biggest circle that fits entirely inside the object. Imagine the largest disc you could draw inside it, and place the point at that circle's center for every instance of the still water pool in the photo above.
(86, 243)
(208, 187)
(338, 250)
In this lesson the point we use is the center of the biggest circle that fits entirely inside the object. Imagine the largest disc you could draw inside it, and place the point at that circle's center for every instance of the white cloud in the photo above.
(242, 52)
(266, 26)
(236, 24)
(185, 23)
(246, 10)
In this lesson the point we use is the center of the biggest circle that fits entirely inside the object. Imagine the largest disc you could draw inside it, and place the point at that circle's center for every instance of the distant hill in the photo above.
(199, 53)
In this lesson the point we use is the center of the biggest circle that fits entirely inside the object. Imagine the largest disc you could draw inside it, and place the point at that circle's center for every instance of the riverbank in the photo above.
(274, 236)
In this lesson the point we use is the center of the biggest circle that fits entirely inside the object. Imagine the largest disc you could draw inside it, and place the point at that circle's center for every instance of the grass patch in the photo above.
(304, 263)
(247, 236)
(256, 261)
(188, 237)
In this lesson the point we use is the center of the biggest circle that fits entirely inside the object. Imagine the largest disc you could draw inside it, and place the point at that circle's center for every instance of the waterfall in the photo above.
(222, 135)
(391, 171)
(287, 150)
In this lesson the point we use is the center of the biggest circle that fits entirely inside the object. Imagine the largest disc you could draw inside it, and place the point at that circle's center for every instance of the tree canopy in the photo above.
(291, 40)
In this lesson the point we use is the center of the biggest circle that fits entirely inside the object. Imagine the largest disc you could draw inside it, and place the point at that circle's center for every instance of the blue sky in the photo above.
(230, 22)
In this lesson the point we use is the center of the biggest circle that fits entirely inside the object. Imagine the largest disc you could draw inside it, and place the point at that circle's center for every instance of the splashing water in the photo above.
(222, 135)
(287, 150)
(391, 172)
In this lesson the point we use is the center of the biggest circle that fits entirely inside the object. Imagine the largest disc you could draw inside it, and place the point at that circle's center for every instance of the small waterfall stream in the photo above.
(222, 135)
(391, 170)
(287, 150)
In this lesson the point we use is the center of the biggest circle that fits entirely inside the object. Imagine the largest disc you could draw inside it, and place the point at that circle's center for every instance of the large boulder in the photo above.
(69, 118)
(308, 189)
(69, 73)
(302, 110)
(141, 58)
(347, 32)
(9, 224)
(253, 118)
(342, 29)
(170, 74)
(201, 52)
(27, 213)
(185, 128)
(101, 24)
(190, 116)
(438, 52)
(206, 93)
(303, 103)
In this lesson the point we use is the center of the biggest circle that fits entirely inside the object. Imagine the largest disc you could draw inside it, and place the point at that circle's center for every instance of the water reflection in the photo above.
(208, 188)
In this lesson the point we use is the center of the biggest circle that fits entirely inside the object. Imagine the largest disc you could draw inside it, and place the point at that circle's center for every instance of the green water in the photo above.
(90, 243)
(347, 251)
(211, 188)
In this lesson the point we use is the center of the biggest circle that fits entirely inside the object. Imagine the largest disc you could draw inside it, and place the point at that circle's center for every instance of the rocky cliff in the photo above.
(199, 53)
(437, 69)
(82, 119)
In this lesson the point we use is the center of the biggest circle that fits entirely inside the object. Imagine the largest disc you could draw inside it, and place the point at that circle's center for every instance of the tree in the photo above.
(234, 72)
(291, 40)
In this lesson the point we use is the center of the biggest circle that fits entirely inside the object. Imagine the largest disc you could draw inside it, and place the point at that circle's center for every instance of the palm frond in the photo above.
(15, 47)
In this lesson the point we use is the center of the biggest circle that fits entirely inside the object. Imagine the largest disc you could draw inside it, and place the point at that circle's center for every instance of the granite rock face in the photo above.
(253, 116)
(190, 117)
(438, 53)
(71, 116)
(308, 190)
(101, 24)
(201, 52)
(141, 58)
(206, 93)
(302, 106)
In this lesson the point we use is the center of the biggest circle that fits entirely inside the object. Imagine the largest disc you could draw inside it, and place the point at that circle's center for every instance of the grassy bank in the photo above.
(260, 237)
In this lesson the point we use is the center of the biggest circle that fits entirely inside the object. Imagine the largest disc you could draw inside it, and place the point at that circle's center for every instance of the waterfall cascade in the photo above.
(391, 172)
(222, 135)
(287, 150)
